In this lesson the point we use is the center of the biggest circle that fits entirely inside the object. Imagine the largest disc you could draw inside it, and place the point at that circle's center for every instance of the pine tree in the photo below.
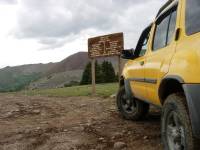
(108, 72)
(104, 73)
(111, 73)
(98, 73)
(86, 77)
(104, 68)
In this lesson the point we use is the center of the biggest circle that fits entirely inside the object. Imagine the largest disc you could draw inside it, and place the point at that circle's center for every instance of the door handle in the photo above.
(177, 34)
(142, 63)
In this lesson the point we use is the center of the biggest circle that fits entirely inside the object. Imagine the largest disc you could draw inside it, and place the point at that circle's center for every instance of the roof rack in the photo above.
(164, 6)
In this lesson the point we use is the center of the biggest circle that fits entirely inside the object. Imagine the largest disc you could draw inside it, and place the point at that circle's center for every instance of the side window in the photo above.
(165, 29)
(161, 33)
(172, 27)
(192, 16)
(141, 47)
(144, 46)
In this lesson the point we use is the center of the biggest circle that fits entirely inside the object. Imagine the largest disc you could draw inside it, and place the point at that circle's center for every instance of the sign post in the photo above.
(119, 68)
(93, 77)
(105, 46)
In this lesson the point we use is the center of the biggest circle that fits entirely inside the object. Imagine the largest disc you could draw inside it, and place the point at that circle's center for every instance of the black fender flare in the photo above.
(164, 82)
(192, 94)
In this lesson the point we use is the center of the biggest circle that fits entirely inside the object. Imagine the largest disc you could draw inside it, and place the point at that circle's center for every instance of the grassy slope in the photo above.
(103, 90)
(57, 80)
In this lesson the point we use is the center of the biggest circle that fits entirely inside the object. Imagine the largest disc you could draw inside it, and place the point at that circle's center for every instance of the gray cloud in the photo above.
(51, 21)
(52, 43)
(8, 1)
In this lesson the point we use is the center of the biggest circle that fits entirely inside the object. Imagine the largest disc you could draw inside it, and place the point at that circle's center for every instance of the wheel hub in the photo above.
(175, 132)
(127, 104)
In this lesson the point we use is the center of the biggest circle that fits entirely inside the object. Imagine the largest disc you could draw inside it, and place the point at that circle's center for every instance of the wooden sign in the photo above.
(104, 46)
(107, 45)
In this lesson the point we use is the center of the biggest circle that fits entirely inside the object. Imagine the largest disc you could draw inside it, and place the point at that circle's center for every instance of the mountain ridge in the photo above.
(48, 75)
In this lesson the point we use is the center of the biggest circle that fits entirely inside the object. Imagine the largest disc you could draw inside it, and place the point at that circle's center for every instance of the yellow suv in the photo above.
(164, 70)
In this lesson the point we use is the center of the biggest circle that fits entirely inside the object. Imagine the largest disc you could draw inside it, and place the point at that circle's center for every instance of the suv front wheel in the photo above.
(176, 128)
(131, 109)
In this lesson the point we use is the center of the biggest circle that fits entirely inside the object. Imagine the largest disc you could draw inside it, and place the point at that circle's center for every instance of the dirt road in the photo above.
(74, 123)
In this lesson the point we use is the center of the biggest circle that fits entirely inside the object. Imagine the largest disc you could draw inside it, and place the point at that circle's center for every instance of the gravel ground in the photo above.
(72, 123)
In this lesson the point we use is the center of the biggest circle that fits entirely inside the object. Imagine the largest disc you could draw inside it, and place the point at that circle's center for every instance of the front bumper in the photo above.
(192, 92)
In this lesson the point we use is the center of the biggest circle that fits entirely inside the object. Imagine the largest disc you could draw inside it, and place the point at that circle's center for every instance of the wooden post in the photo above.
(119, 67)
(93, 77)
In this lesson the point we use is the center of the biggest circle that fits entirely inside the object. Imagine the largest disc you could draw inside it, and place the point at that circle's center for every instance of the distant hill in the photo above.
(78, 61)
(16, 78)
(74, 62)
(49, 75)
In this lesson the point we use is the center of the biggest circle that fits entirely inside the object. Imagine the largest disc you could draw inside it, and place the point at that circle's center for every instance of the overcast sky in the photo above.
(42, 31)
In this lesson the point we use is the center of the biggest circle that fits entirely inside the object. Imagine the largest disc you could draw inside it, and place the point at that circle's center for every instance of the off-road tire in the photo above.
(176, 103)
(140, 111)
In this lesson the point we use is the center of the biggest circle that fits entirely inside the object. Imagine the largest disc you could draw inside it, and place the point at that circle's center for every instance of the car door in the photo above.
(161, 52)
(135, 68)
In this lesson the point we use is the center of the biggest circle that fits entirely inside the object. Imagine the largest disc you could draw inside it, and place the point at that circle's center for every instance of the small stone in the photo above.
(44, 122)
(30, 107)
(89, 124)
(101, 139)
(16, 110)
(27, 131)
(36, 111)
(100, 147)
(145, 137)
(83, 105)
(119, 145)
(38, 128)
(65, 130)
(43, 114)
(81, 128)
(117, 135)
(124, 131)
(8, 114)
(113, 96)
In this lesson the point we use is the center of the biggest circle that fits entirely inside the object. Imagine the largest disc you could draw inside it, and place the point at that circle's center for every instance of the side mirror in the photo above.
(127, 54)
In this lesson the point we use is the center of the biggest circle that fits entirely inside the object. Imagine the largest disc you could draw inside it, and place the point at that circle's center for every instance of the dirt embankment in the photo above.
(74, 123)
